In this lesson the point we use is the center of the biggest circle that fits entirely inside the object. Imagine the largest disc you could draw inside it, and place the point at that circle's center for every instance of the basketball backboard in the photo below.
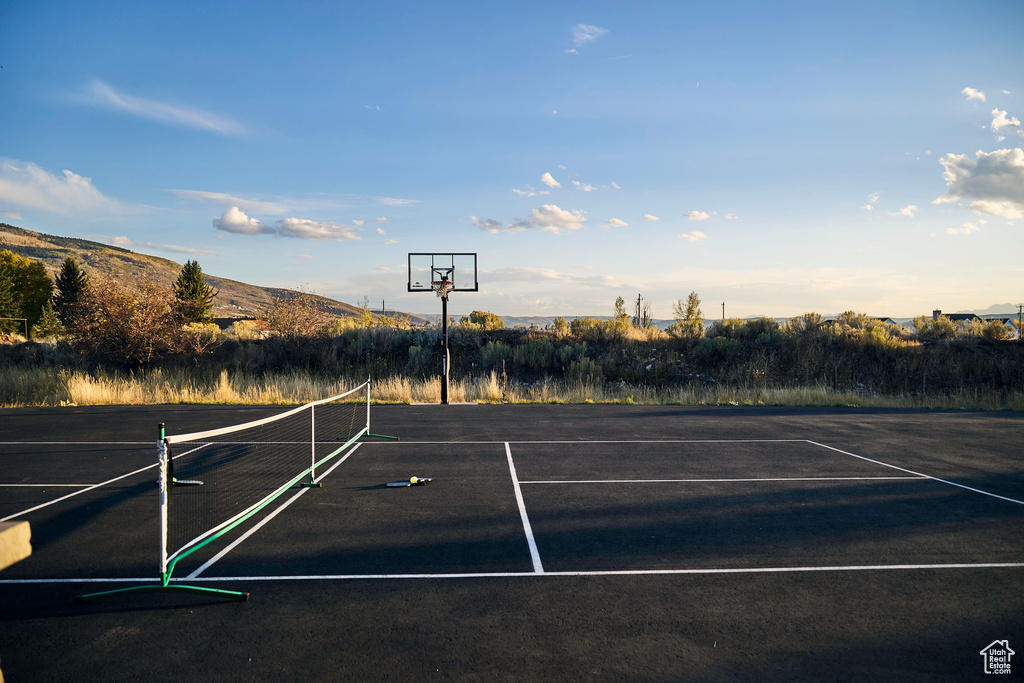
(459, 269)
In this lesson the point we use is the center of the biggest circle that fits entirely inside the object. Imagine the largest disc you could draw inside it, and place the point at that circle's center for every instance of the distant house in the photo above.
(955, 317)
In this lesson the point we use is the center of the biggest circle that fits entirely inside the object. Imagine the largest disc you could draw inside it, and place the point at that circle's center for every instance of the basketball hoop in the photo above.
(442, 287)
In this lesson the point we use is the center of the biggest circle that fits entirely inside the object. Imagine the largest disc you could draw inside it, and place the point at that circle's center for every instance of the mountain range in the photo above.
(235, 300)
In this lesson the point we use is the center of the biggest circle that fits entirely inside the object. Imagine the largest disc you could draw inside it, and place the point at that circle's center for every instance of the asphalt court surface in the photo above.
(617, 495)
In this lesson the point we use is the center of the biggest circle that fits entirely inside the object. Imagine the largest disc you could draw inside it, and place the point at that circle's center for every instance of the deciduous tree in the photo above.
(31, 286)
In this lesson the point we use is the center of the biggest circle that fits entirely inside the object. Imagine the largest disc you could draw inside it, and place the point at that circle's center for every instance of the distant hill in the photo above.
(236, 299)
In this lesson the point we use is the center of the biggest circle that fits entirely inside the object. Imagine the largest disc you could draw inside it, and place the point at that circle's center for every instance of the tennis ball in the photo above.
(413, 480)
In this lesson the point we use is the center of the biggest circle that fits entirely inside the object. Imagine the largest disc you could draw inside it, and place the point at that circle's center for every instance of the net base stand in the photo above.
(158, 588)
(380, 436)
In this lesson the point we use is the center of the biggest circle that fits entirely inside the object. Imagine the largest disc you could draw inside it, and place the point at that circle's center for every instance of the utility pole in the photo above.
(1020, 321)
(723, 311)
(637, 318)
(382, 309)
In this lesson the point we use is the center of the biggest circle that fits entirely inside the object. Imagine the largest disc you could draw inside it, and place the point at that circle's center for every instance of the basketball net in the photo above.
(442, 288)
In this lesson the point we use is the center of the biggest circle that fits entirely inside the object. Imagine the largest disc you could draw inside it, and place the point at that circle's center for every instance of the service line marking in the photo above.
(527, 529)
(238, 541)
(926, 476)
(699, 481)
(503, 575)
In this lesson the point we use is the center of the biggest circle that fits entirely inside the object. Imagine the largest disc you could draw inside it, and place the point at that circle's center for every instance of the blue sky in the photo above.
(780, 157)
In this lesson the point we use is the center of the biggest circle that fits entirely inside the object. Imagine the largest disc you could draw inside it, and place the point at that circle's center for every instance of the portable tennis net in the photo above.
(212, 481)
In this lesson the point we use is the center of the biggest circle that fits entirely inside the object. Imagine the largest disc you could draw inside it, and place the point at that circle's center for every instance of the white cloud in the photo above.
(586, 187)
(222, 199)
(616, 185)
(303, 229)
(491, 225)
(99, 93)
(395, 201)
(553, 219)
(1006, 92)
(530, 192)
(127, 243)
(967, 229)
(26, 184)
(380, 231)
(358, 222)
(549, 181)
(697, 215)
(973, 94)
(390, 241)
(235, 221)
(1003, 125)
(994, 184)
(694, 236)
(382, 219)
(651, 217)
(584, 33)
(548, 217)
(907, 210)
(615, 223)
(868, 207)
(13, 215)
(731, 217)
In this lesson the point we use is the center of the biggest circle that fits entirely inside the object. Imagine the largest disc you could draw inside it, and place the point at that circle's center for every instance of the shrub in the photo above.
(130, 324)
(584, 373)
(298, 316)
(487, 321)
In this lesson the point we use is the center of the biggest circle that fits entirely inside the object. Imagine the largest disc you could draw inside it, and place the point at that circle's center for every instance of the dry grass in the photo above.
(39, 387)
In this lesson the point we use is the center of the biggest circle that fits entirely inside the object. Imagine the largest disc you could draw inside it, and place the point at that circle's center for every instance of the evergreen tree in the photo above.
(71, 283)
(193, 297)
(49, 324)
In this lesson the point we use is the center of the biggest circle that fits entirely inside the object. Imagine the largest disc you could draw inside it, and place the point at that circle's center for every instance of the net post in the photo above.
(162, 457)
(368, 380)
(312, 483)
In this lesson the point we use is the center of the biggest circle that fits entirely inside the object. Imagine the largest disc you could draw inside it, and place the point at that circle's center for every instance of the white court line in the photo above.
(719, 440)
(76, 493)
(77, 442)
(927, 476)
(89, 488)
(504, 575)
(698, 481)
(51, 485)
(266, 519)
(534, 553)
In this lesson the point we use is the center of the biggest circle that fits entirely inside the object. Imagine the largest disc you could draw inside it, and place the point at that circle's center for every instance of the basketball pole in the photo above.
(445, 360)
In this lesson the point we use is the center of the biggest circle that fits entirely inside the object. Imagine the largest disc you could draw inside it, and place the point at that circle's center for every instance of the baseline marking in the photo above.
(583, 441)
(698, 481)
(78, 486)
(927, 476)
(209, 563)
(538, 568)
(503, 575)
